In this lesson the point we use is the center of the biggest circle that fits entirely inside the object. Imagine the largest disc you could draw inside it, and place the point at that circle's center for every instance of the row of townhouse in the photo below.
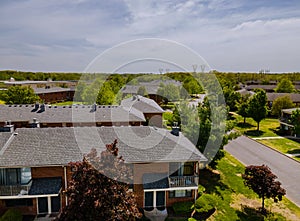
(34, 168)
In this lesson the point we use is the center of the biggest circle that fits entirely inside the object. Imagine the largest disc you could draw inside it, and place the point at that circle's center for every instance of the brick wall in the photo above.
(170, 201)
(138, 171)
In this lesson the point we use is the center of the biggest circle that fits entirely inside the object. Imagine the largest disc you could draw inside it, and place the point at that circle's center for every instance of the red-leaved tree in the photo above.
(263, 182)
(95, 191)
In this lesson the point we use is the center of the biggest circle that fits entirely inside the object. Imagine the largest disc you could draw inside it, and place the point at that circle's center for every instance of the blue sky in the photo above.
(66, 35)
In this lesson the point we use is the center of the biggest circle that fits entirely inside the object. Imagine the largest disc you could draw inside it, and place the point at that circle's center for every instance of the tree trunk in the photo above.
(263, 205)
(257, 126)
(244, 120)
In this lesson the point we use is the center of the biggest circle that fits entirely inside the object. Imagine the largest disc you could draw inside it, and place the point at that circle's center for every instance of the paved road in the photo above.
(249, 152)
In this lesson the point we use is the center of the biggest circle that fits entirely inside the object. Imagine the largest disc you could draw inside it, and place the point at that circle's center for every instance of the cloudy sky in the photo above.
(231, 35)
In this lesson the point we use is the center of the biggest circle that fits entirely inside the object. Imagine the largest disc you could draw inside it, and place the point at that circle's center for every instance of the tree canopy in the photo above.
(281, 103)
(142, 91)
(243, 107)
(285, 86)
(295, 119)
(20, 95)
(258, 106)
(95, 191)
(170, 91)
(263, 182)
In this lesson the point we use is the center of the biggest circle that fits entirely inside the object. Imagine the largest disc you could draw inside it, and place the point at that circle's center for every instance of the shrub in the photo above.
(201, 190)
(205, 203)
(274, 217)
(182, 207)
(11, 215)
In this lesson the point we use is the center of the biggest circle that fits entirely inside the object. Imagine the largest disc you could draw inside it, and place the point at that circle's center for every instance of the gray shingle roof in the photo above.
(69, 114)
(294, 97)
(59, 146)
(151, 86)
(142, 104)
(51, 90)
(290, 110)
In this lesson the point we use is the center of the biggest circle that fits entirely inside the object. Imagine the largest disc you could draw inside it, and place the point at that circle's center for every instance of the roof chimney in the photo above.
(8, 127)
(35, 123)
(175, 129)
(94, 107)
(42, 108)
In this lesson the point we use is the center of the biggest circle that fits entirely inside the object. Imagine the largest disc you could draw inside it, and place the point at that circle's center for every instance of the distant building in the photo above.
(285, 121)
(69, 116)
(295, 98)
(55, 94)
(40, 84)
(151, 110)
(151, 88)
(48, 91)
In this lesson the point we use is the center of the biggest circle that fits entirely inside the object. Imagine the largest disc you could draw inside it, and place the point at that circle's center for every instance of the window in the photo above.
(25, 175)
(180, 193)
(181, 169)
(15, 176)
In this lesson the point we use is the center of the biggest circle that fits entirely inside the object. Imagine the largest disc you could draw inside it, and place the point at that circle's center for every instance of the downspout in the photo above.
(66, 183)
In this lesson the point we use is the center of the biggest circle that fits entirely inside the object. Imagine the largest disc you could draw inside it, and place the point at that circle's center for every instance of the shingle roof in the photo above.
(133, 89)
(59, 146)
(264, 87)
(78, 113)
(51, 90)
(294, 97)
(151, 86)
(244, 92)
(142, 104)
(290, 110)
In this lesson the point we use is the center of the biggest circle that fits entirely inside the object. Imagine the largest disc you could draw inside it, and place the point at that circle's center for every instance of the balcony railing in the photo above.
(14, 190)
(183, 181)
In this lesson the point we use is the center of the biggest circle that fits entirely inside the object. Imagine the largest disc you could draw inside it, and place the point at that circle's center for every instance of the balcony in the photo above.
(14, 190)
(183, 181)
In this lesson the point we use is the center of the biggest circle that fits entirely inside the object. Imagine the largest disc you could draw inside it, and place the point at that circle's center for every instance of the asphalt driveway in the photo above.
(250, 152)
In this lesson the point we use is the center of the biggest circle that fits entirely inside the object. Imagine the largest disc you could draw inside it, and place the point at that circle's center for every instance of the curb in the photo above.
(273, 149)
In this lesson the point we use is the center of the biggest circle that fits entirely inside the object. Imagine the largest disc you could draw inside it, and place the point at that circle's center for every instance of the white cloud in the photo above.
(41, 35)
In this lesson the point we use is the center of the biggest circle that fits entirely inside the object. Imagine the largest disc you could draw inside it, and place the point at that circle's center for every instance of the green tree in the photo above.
(192, 86)
(206, 203)
(92, 195)
(20, 95)
(231, 97)
(106, 95)
(142, 91)
(280, 103)
(262, 181)
(89, 94)
(295, 119)
(170, 91)
(285, 86)
(78, 96)
(243, 107)
(258, 106)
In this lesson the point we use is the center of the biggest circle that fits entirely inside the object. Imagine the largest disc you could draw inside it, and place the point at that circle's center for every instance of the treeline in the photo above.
(243, 77)
(37, 76)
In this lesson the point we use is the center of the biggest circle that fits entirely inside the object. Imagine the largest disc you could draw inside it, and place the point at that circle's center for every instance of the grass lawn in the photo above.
(236, 201)
(283, 145)
(2, 102)
(267, 127)
(67, 103)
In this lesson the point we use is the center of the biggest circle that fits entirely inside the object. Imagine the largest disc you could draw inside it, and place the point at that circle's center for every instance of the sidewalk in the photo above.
(266, 138)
